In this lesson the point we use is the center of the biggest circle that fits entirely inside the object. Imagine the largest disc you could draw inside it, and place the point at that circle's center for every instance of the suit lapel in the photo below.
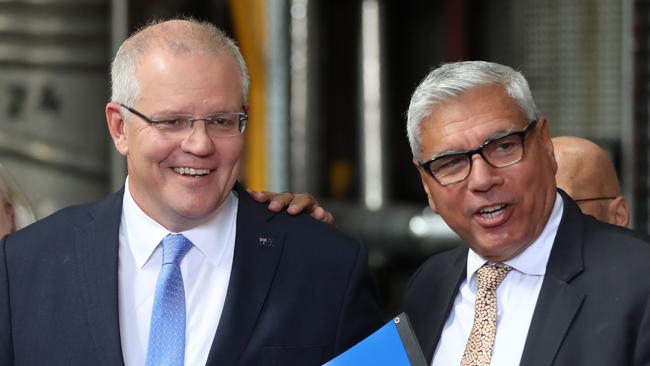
(434, 310)
(258, 248)
(97, 251)
(558, 301)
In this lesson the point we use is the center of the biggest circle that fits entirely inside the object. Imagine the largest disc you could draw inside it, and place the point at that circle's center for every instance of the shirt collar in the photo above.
(532, 261)
(144, 234)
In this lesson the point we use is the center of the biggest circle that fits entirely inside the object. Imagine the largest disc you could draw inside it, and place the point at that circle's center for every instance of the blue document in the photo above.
(394, 344)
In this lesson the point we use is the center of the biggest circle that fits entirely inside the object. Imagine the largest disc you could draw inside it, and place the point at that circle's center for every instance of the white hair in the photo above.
(451, 80)
(184, 35)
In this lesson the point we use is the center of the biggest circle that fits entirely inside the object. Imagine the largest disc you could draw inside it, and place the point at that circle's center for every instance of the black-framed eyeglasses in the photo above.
(498, 152)
(595, 199)
(220, 124)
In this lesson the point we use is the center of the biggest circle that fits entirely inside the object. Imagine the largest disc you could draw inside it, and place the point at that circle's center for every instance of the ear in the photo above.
(426, 180)
(618, 213)
(545, 136)
(116, 127)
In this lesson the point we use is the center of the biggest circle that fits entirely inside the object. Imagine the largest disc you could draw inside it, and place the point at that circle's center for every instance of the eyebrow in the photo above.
(494, 136)
(170, 113)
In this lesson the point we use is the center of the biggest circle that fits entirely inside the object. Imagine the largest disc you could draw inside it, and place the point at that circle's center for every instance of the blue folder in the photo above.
(394, 344)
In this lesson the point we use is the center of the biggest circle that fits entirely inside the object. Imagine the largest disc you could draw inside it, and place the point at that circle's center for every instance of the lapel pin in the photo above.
(265, 242)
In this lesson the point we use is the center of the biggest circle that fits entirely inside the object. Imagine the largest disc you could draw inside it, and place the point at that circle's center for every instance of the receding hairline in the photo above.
(175, 35)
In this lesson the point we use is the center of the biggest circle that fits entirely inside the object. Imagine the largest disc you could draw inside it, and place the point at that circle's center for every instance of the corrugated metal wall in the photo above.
(572, 58)
(53, 87)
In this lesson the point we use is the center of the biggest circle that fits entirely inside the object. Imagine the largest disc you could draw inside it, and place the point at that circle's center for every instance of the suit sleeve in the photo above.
(642, 347)
(6, 344)
(360, 315)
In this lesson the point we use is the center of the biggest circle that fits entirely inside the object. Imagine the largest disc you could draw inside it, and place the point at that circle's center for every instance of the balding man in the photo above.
(587, 174)
(181, 266)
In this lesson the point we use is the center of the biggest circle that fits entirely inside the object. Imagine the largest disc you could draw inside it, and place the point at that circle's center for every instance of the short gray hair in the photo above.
(451, 80)
(182, 35)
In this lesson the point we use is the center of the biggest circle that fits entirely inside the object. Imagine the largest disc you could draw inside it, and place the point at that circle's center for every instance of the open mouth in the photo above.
(492, 211)
(192, 172)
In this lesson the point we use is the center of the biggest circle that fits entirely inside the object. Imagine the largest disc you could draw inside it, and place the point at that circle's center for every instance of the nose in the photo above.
(483, 176)
(198, 142)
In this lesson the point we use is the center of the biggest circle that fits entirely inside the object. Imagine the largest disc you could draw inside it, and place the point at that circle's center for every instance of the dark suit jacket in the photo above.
(298, 293)
(593, 306)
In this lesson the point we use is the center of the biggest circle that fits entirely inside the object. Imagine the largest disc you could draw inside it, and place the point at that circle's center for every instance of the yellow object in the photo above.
(249, 23)
(341, 174)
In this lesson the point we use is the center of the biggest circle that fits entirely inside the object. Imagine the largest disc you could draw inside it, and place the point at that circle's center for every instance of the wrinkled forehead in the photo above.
(469, 120)
(187, 82)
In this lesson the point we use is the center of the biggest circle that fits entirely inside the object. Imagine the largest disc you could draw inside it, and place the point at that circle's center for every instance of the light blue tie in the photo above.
(167, 332)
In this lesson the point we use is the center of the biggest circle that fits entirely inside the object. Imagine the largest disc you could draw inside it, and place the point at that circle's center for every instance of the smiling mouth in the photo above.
(492, 211)
(193, 172)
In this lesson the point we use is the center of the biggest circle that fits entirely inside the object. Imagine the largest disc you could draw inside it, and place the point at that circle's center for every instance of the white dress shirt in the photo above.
(516, 299)
(206, 272)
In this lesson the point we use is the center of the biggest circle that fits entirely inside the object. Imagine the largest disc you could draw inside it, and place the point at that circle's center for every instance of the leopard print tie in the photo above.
(478, 351)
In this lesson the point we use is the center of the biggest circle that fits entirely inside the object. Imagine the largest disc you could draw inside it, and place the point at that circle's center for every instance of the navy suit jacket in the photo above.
(593, 307)
(298, 292)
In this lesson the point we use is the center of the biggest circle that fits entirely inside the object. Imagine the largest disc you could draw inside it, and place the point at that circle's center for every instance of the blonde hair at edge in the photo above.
(12, 195)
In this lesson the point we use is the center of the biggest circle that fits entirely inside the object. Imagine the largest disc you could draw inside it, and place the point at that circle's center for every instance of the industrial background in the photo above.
(331, 81)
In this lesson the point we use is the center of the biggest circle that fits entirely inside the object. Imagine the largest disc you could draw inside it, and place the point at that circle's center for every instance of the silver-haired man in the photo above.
(539, 283)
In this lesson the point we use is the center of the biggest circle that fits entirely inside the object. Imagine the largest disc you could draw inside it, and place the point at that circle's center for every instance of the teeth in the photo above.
(191, 171)
(492, 211)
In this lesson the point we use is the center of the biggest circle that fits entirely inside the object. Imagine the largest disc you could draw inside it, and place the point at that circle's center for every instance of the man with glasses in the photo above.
(541, 283)
(585, 172)
(181, 266)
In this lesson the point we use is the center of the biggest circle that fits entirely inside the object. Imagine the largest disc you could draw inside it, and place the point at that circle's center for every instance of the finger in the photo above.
(329, 219)
(302, 202)
(322, 215)
(318, 214)
(280, 201)
(259, 196)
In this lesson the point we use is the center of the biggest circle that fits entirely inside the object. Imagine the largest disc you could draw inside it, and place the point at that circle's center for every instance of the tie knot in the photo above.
(175, 246)
(491, 275)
